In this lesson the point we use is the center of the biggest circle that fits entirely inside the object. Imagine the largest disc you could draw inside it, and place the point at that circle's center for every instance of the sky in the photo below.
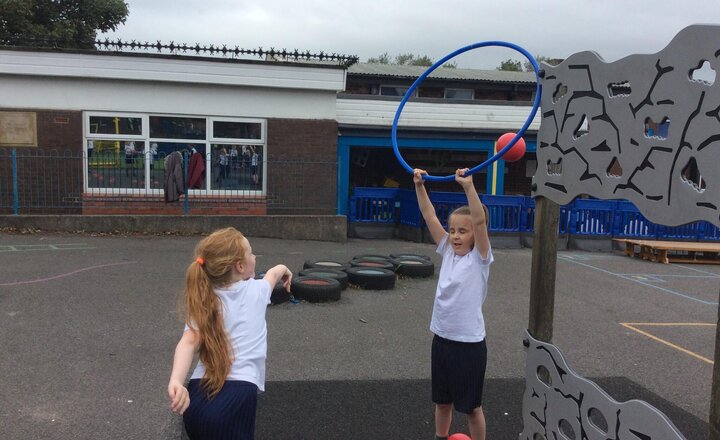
(435, 28)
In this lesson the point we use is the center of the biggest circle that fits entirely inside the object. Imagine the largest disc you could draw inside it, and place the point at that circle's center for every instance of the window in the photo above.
(395, 91)
(169, 127)
(126, 152)
(237, 130)
(459, 94)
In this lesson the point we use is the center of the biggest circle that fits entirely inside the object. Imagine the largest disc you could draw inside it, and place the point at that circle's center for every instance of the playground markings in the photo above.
(44, 247)
(633, 326)
(63, 275)
(635, 278)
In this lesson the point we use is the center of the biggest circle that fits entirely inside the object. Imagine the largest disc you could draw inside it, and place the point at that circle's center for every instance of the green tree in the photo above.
(511, 65)
(542, 59)
(407, 59)
(58, 23)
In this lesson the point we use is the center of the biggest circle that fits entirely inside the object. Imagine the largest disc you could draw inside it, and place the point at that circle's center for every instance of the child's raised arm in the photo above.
(426, 208)
(477, 213)
(277, 273)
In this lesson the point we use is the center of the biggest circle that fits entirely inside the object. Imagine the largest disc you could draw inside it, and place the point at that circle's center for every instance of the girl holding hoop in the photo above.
(459, 353)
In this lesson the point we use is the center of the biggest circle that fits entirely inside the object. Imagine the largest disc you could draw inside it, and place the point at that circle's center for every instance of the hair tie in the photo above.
(200, 261)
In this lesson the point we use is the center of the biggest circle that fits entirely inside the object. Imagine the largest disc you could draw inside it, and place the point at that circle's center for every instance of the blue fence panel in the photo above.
(629, 222)
(375, 205)
(690, 231)
(603, 218)
(709, 232)
(409, 212)
(506, 212)
(592, 217)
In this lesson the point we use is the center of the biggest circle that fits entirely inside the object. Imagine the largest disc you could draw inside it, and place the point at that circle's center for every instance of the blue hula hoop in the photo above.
(421, 78)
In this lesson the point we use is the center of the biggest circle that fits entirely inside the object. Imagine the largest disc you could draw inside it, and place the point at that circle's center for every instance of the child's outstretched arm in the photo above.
(184, 352)
(426, 208)
(477, 213)
(277, 273)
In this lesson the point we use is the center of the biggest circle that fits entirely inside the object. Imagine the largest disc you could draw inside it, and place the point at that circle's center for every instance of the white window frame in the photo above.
(144, 139)
(414, 93)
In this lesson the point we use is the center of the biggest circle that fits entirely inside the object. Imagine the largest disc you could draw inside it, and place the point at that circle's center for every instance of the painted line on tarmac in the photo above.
(44, 247)
(63, 275)
(631, 326)
(629, 278)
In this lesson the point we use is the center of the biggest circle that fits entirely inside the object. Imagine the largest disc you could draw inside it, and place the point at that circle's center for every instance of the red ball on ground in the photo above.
(516, 152)
(459, 436)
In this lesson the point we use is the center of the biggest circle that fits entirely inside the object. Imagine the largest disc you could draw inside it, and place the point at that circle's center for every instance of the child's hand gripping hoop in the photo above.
(421, 78)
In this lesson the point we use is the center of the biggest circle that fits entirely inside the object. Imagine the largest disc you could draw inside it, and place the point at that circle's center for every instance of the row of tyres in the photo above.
(323, 280)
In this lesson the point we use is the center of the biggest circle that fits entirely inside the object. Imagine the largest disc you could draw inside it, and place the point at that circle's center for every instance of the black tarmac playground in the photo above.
(88, 326)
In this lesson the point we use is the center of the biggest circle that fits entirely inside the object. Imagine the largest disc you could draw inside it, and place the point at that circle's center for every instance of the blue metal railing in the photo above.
(600, 218)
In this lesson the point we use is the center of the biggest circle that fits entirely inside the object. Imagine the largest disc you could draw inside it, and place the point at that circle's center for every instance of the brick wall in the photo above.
(303, 175)
(47, 175)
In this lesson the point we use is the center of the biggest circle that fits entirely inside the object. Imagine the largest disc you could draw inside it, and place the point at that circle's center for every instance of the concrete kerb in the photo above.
(297, 227)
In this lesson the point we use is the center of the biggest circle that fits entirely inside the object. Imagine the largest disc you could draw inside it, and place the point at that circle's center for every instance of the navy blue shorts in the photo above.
(458, 373)
(229, 415)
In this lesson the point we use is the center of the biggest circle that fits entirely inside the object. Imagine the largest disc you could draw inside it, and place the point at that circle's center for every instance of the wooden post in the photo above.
(542, 276)
(715, 390)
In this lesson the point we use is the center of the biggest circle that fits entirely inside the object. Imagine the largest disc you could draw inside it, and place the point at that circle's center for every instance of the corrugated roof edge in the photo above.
(411, 72)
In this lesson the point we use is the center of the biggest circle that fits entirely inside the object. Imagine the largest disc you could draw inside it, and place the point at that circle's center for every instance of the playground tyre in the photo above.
(414, 267)
(406, 254)
(371, 278)
(339, 275)
(374, 257)
(372, 263)
(325, 264)
(315, 289)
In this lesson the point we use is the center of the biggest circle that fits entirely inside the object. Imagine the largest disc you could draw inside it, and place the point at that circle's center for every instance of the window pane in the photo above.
(177, 127)
(458, 94)
(236, 167)
(116, 164)
(196, 165)
(393, 91)
(237, 130)
(115, 125)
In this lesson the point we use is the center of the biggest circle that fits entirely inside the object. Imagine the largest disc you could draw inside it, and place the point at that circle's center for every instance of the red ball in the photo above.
(459, 436)
(513, 154)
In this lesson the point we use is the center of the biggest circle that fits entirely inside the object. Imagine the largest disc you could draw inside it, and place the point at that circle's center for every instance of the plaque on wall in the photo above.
(18, 129)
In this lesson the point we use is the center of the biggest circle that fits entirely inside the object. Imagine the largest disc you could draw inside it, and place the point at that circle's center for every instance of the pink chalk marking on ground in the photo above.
(63, 275)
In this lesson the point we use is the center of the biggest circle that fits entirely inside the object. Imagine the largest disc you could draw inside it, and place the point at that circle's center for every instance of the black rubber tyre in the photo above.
(414, 266)
(279, 294)
(372, 263)
(339, 275)
(406, 254)
(325, 264)
(375, 257)
(315, 289)
(371, 278)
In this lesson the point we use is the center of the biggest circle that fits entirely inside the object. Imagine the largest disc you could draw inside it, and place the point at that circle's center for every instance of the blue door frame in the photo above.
(345, 143)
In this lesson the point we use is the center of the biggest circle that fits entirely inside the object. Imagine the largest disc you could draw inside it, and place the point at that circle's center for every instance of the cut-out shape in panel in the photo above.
(691, 175)
(703, 74)
(544, 375)
(598, 420)
(554, 169)
(619, 89)
(566, 429)
(657, 130)
(614, 169)
(560, 91)
(582, 128)
(538, 436)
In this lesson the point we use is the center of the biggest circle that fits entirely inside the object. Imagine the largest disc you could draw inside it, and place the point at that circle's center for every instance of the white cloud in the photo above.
(554, 28)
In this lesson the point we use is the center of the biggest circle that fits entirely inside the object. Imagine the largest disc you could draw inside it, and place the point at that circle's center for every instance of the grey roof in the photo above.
(400, 71)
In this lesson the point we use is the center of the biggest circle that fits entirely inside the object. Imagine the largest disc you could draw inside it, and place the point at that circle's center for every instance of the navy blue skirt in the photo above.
(230, 415)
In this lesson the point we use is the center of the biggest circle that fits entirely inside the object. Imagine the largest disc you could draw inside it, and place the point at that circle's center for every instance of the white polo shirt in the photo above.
(244, 307)
(461, 291)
